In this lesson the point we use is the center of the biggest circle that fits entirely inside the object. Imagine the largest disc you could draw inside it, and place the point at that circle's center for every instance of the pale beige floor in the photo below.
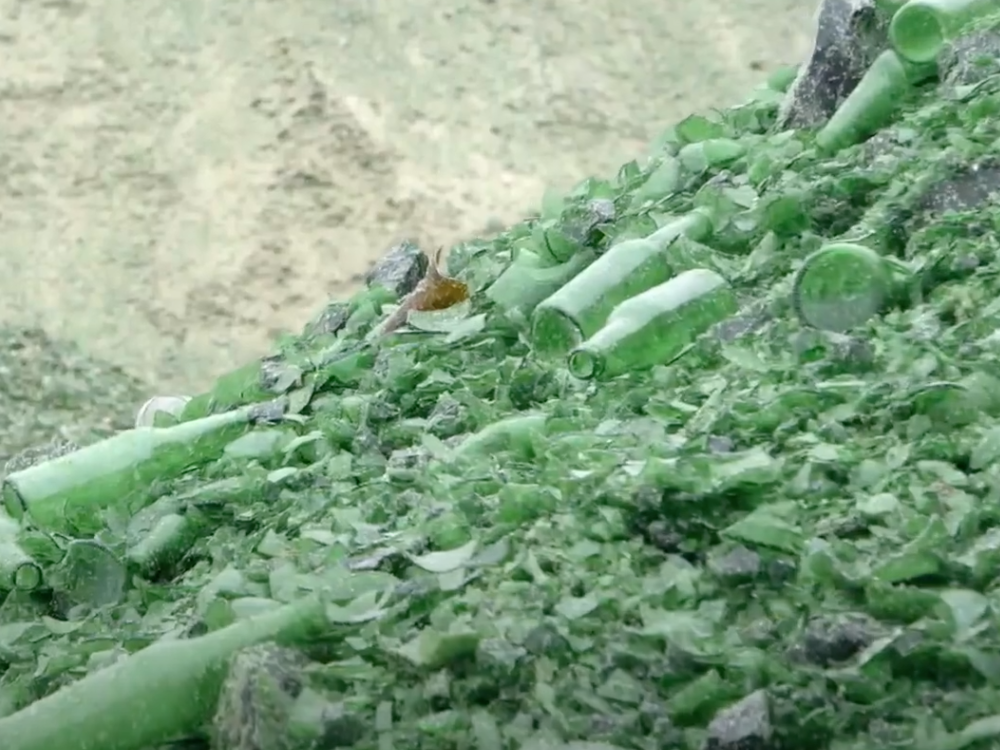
(181, 179)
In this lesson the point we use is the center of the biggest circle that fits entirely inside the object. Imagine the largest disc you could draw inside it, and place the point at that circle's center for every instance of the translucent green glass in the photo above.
(68, 493)
(656, 326)
(581, 307)
(843, 285)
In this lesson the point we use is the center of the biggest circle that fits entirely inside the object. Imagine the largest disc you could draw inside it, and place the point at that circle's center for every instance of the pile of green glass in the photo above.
(709, 458)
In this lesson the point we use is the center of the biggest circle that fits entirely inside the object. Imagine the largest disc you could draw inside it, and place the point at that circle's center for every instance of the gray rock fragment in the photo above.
(780, 571)
(448, 418)
(381, 411)
(850, 34)
(331, 320)
(268, 412)
(580, 226)
(341, 727)
(278, 376)
(965, 190)
(664, 538)
(720, 444)
(257, 698)
(970, 58)
(602, 210)
(828, 640)
(745, 725)
(542, 640)
(399, 270)
(404, 461)
(365, 443)
(885, 145)
(851, 350)
(744, 323)
(846, 352)
(737, 565)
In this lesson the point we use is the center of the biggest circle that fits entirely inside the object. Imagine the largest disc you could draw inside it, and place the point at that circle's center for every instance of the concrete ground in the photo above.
(182, 179)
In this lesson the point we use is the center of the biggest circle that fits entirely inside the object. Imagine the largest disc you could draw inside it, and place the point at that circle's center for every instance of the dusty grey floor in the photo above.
(181, 179)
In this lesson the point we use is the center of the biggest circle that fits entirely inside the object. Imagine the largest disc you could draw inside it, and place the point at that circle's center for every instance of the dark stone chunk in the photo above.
(381, 411)
(373, 560)
(740, 325)
(543, 640)
(277, 376)
(968, 189)
(828, 640)
(382, 365)
(745, 725)
(331, 320)
(833, 348)
(257, 699)
(665, 539)
(736, 565)
(407, 459)
(448, 418)
(341, 726)
(781, 570)
(269, 412)
(365, 442)
(579, 223)
(601, 210)
(851, 350)
(850, 34)
(399, 270)
(720, 444)
(970, 58)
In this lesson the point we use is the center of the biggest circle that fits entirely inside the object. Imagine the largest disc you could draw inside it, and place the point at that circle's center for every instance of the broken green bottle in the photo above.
(655, 327)
(579, 309)
(69, 493)
(842, 285)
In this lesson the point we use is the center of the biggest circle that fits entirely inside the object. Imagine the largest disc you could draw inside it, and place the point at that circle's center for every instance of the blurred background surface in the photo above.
(180, 180)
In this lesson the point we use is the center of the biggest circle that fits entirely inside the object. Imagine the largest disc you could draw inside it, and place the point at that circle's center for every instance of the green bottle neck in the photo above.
(590, 359)
(696, 224)
(186, 432)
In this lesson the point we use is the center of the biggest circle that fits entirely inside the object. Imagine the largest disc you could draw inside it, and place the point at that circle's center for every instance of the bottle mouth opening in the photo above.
(584, 365)
(172, 406)
(916, 33)
(27, 577)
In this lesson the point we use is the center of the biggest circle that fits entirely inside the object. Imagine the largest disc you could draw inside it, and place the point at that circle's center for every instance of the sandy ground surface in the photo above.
(182, 179)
